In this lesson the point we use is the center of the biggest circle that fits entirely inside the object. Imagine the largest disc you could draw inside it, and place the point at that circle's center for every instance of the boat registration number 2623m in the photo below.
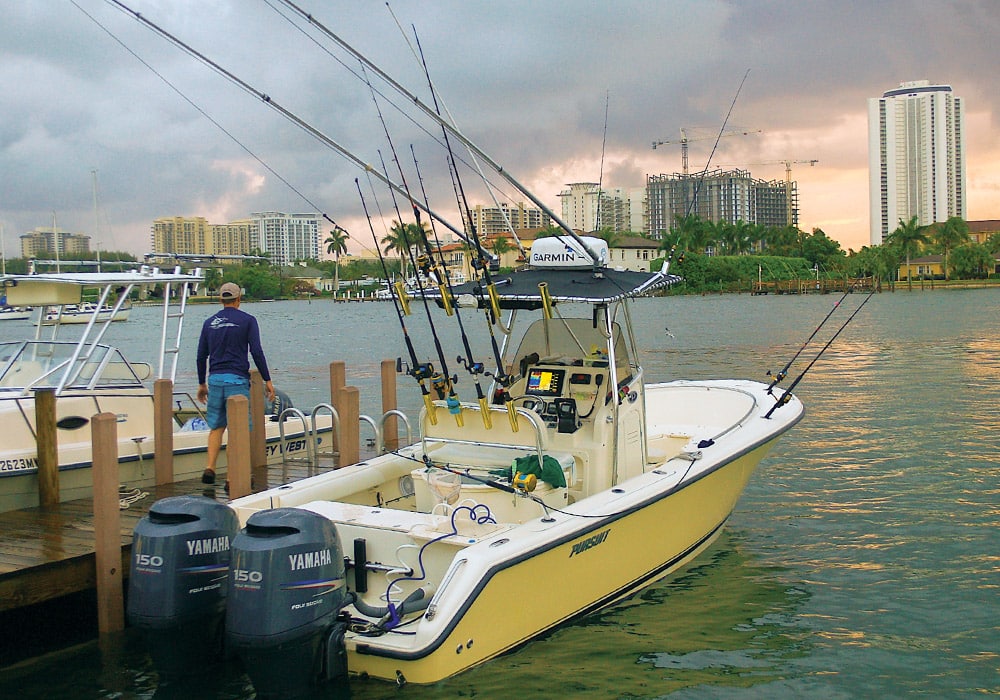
(18, 464)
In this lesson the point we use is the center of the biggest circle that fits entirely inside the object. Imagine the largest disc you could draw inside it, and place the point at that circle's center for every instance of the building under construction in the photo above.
(720, 195)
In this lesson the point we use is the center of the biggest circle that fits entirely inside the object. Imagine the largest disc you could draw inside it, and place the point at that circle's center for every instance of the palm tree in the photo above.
(688, 230)
(950, 235)
(401, 239)
(500, 245)
(336, 245)
(908, 237)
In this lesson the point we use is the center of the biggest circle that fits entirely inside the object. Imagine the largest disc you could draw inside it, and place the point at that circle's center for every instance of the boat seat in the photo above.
(414, 524)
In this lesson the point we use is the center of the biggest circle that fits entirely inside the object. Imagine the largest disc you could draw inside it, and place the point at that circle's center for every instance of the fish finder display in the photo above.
(545, 382)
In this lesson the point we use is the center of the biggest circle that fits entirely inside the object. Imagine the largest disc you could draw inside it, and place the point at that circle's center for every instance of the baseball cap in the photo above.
(229, 291)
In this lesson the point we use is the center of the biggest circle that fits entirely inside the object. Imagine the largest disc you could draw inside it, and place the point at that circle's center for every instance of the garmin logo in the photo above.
(553, 257)
(309, 560)
(210, 545)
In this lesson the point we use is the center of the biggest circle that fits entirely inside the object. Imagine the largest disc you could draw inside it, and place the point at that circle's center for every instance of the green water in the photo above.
(859, 562)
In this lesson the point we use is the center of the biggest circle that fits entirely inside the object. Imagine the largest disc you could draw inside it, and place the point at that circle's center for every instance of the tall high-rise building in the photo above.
(53, 241)
(720, 195)
(287, 237)
(490, 221)
(588, 207)
(916, 156)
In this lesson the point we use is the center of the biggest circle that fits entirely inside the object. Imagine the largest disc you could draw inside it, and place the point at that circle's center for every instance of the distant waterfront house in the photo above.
(980, 231)
(634, 253)
(931, 267)
(927, 267)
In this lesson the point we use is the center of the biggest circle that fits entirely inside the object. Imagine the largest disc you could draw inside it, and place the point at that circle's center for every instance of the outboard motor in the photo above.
(275, 408)
(286, 589)
(177, 581)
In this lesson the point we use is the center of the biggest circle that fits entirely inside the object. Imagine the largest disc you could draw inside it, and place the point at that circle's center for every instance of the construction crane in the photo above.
(684, 141)
(788, 179)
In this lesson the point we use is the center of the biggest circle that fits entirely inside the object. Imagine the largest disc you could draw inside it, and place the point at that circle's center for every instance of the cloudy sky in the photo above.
(86, 87)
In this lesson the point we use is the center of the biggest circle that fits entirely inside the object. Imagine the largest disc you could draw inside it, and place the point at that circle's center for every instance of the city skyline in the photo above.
(517, 79)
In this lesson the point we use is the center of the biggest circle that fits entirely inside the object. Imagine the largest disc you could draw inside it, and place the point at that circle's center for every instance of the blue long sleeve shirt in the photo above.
(225, 339)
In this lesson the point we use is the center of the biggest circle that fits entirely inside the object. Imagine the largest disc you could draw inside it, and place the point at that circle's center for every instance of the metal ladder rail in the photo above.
(307, 433)
(168, 315)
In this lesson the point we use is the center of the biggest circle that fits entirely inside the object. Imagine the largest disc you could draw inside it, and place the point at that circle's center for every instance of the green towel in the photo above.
(550, 471)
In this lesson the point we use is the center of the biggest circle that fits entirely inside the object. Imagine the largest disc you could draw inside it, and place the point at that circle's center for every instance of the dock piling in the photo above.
(107, 524)
(390, 427)
(238, 446)
(338, 380)
(349, 410)
(47, 447)
(163, 431)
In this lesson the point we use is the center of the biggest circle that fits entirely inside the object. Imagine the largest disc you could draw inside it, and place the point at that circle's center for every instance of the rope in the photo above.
(127, 497)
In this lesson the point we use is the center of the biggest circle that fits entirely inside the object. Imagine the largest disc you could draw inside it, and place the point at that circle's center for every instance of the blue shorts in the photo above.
(218, 393)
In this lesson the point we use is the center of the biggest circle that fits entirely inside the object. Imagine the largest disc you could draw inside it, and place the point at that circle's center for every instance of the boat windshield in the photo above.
(572, 341)
(41, 364)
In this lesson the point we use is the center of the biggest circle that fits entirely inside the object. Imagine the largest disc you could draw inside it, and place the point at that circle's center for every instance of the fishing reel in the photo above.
(419, 372)
(474, 368)
(442, 384)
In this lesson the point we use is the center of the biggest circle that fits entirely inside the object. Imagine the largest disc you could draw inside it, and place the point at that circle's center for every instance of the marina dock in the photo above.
(49, 552)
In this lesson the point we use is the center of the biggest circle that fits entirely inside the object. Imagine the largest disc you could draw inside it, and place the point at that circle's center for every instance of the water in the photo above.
(859, 562)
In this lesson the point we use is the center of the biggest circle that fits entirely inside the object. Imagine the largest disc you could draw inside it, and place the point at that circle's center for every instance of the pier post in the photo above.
(238, 446)
(47, 447)
(349, 410)
(258, 432)
(338, 380)
(107, 524)
(163, 431)
(390, 428)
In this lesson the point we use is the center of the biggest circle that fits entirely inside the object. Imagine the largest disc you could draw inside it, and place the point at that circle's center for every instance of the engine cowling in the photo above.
(178, 580)
(287, 586)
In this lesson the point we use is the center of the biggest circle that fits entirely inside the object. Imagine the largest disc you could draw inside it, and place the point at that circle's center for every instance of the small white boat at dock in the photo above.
(89, 376)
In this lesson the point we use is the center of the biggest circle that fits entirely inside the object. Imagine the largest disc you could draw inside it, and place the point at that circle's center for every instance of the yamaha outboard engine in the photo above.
(178, 577)
(287, 587)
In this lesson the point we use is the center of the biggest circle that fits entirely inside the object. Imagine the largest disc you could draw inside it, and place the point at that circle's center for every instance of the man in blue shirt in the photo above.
(222, 350)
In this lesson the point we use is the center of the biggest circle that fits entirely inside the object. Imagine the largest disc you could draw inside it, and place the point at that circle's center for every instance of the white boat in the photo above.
(90, 376)
(576, 485)
(15, 313)
(83, 312)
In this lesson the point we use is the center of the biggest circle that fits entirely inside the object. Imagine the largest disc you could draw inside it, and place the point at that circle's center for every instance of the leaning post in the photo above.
(107, 524)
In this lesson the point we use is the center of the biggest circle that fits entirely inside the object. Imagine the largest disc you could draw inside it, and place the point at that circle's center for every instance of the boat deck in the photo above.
(46, 553)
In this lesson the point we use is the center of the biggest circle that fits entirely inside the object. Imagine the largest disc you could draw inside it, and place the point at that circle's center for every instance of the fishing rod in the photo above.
(708, 163)
(783, 372)
(419, 104)
(453, 166)
(442, 382)
(419, 371)
(474, 368)
(786, 397)
(269, 101)
(492, 309)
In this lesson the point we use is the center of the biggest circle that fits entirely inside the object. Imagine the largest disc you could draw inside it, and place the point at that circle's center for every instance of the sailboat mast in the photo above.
(97, 221)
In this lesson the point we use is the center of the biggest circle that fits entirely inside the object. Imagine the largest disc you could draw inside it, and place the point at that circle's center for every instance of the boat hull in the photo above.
(606, 561)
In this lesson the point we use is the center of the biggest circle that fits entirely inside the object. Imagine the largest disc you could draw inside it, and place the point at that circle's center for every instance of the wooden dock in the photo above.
(49, 552)
(813, 286)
